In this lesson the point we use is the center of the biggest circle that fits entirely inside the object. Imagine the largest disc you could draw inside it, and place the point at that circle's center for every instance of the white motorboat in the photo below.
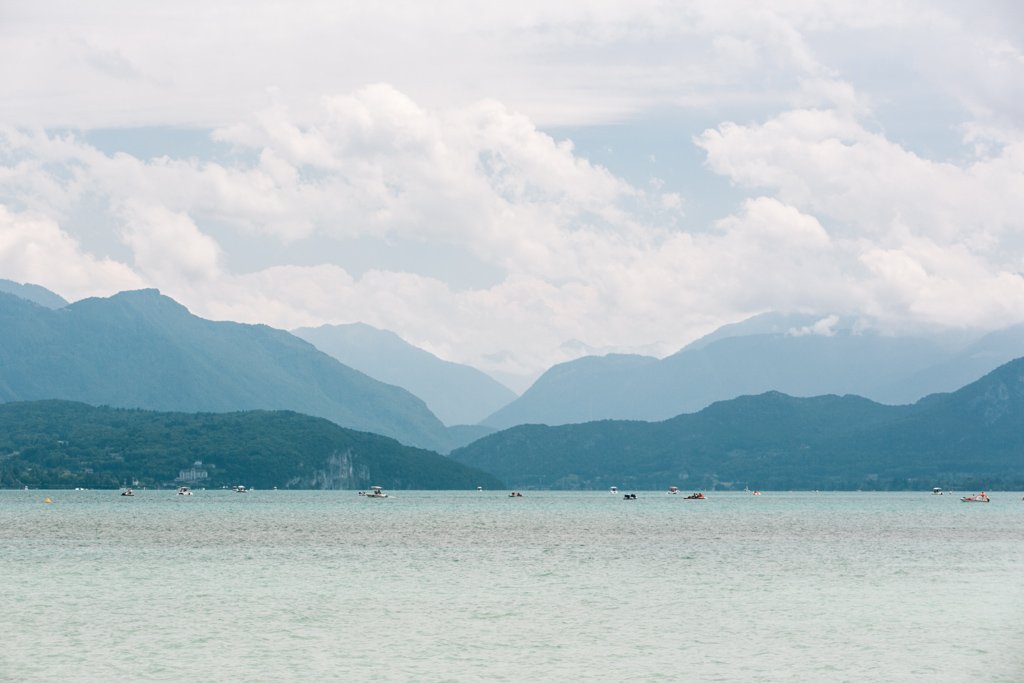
(613, 489)
(936, 491)
(184, 491)
(374, 492)
(673, 490)
(239, 489)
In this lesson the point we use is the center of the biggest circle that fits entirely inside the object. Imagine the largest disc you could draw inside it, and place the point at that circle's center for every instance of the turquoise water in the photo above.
(468, 586)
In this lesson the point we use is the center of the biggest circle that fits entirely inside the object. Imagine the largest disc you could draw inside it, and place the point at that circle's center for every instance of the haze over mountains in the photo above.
(142, 349)
(973, 437)
(796, 355)
(457, 394)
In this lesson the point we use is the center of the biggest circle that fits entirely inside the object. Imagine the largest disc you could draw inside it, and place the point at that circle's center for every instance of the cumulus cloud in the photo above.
(567, 238)
(34, 249)
(444, 167)
(846, 221)
(921, 240)
(167, 245)
(829, 163)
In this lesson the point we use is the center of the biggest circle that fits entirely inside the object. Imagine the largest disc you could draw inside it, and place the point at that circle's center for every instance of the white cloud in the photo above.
(827, 163)
(915, 239)
(446, 155)
(65, 63)
(167, 245)
(823, 328)
(34, 249)
(570, 237)
(848, 222)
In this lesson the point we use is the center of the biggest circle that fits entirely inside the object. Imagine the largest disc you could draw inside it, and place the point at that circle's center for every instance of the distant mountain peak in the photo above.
(34, 293)
(458, 394)
(149, 303)
(800, 354)
(148, 294)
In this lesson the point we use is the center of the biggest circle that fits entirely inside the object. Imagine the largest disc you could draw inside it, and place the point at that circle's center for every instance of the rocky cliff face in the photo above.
(341, 471)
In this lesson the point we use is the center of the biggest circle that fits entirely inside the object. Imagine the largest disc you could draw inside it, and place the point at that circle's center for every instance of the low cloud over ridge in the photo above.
(438, 205)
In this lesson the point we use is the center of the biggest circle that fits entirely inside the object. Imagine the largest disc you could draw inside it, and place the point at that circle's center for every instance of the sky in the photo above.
(513, 185)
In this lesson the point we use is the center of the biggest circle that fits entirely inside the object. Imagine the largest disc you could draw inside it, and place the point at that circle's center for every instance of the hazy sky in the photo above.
(510, 184)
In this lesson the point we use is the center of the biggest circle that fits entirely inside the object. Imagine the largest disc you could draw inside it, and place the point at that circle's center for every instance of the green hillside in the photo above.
(971, 438)
(62, 444)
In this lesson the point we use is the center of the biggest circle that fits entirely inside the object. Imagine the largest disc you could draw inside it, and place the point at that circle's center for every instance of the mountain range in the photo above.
(457, 394)
(973, 437)
(141, 349)
(794, 354)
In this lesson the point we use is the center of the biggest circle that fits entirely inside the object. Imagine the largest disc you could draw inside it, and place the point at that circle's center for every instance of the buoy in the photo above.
(47, 501)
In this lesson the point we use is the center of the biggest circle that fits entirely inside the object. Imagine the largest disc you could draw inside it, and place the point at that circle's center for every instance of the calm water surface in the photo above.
(442, 586)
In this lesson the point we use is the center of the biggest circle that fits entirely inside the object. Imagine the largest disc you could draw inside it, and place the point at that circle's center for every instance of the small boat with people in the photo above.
(755, 493)
(629, 496)
(127, 492)
(184, 491)
(696, 495)
(239, 489)
(515, 494)
(673, 490)
(980, 498)
(936, 491)
(374, 492)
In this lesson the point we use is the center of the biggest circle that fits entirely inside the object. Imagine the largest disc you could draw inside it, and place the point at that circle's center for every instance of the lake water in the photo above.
(468, 586)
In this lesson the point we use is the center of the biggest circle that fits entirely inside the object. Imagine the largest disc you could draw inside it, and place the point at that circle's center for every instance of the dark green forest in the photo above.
(63, 444)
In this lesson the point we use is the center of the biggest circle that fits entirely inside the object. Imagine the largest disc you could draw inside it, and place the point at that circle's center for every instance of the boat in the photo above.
(184, 491)
(239, 489)
(613, 489)
(629, 496)
(127, 492)
(936, 491)
(755, 493)
(515, 494)
(695, 496)
(374, 492)
(980, 498)
(673, 490)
